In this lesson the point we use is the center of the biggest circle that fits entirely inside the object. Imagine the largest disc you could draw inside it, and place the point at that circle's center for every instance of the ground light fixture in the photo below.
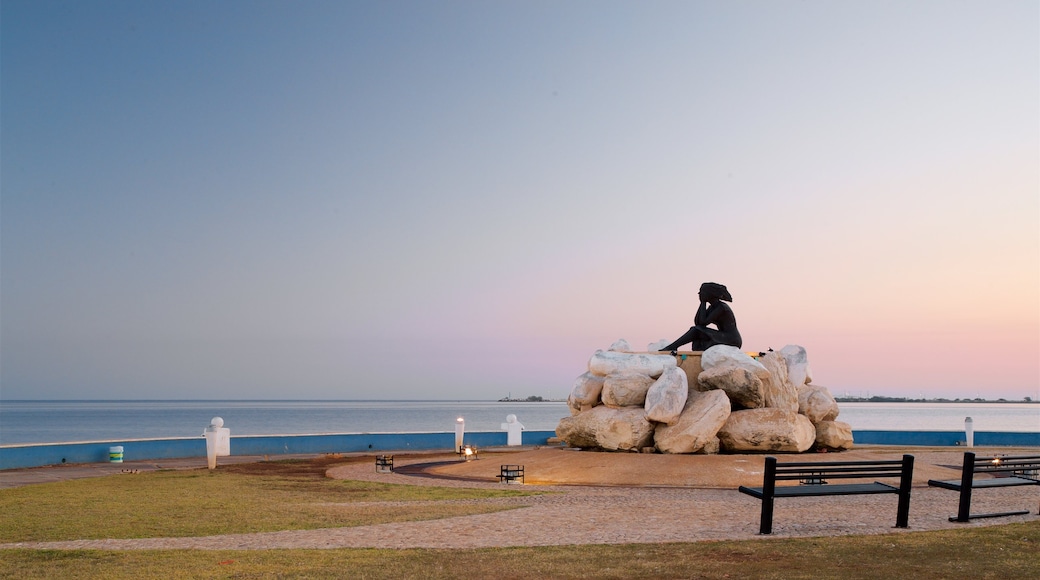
(384, 463)
(511, 474)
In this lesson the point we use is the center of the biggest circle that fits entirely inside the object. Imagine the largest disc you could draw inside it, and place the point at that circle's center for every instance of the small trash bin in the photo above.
(115, 454)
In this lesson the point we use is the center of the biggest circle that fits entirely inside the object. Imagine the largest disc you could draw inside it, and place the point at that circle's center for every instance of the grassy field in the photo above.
(1011, 551)
(295, 495)
(245, 498)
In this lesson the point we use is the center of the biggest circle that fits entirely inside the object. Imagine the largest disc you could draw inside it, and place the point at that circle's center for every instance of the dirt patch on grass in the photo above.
(310, 468)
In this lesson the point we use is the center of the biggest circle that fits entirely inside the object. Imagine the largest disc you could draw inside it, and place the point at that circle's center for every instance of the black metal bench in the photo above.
(1006, 471)
(813, 481)
(511, 474)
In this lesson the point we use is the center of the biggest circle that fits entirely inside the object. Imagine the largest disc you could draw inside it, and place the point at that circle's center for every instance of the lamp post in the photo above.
(460, 429)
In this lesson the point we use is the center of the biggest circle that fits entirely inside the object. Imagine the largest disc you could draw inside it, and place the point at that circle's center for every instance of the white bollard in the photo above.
(460, 430)
(513, 430)
(969, 432)
(218, 441)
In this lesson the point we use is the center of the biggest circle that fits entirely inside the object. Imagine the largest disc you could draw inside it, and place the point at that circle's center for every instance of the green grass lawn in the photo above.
(289, 495)
(998, 552)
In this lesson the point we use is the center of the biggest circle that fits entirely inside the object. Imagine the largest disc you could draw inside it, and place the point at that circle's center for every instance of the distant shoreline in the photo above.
(878, 399)
(875, 399)
(844, 399)
(531, 399)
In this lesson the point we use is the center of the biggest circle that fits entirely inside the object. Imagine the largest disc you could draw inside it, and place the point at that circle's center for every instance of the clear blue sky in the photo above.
(400, 200)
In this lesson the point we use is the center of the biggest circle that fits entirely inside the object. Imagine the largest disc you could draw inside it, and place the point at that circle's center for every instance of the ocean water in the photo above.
(64, 421)
(1008, 417)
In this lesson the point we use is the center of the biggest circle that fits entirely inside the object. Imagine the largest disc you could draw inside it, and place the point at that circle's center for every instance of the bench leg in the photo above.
(996, 515)
(906, 481)
(766, 521)
(964, 505)
(967, 473)
(768, 486)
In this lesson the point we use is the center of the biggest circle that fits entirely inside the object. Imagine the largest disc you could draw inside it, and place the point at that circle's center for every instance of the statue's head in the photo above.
(711, 291)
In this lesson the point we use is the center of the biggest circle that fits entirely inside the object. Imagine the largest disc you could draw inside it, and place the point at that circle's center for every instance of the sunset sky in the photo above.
(462, 200)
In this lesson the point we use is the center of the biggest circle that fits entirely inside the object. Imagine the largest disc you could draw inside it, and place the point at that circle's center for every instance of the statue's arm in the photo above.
(703, 317)
(719, 315)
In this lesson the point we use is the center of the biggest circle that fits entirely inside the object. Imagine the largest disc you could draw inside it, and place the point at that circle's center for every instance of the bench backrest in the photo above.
(818, 472)
(1027, 466)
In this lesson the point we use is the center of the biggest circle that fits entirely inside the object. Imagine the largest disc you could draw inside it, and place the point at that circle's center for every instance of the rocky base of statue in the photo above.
(737, 403)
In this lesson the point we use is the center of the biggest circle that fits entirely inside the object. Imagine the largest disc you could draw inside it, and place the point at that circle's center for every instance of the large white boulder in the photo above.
(725, 355)
(621, 345)
(834, 435)
(741, 385)
(667, 397)
(797, 360)
(626, 389)
(711, 447)
(778, 391)
(585, 393)
(579, 430)
(624, 429)
(704, 414)
(604, 363)
(767, 429)
(657, 346)
(816, 403)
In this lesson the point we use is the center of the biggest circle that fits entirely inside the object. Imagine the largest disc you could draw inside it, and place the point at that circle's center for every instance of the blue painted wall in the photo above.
(18, 456)
(945, 438)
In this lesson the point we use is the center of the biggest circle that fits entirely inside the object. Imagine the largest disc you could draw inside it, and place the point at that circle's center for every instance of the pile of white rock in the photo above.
(630, 401)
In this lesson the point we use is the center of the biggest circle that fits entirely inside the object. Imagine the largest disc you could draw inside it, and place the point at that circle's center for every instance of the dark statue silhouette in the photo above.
(711, 311)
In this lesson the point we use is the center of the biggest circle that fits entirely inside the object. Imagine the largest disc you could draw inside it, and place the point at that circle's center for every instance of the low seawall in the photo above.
(38, 455)
(944, 438)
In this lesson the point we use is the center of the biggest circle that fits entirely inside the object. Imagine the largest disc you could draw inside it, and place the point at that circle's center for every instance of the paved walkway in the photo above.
(620, 513)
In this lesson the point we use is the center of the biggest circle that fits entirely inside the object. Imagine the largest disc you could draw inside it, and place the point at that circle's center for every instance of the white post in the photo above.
(969, 432)
(460, 429)
(218, 441)
(513, 430)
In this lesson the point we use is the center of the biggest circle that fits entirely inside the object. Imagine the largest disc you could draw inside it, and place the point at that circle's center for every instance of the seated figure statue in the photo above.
(712, 311)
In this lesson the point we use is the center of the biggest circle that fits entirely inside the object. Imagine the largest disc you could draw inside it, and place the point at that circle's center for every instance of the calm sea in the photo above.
(62, 421)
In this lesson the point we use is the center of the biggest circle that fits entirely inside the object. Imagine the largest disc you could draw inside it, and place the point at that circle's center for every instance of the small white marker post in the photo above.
(218, 441)
(513, 429)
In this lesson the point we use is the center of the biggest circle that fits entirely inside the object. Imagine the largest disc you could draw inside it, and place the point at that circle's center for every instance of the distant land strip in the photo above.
(843, 399)
(531, 399)
(880, 399)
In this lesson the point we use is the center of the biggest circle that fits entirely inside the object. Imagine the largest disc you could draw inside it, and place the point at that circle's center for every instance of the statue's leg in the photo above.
(709, 337)
(703, 342)
(690, 336)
